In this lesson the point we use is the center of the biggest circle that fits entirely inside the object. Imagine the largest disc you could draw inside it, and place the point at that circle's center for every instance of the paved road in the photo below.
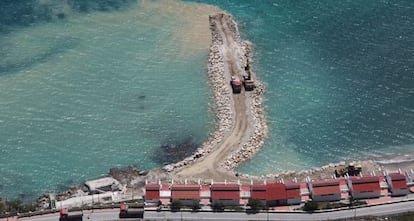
(153, 215)
(97, 215)
(372, 211)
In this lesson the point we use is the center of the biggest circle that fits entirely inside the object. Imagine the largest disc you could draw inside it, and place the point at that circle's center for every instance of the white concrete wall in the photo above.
(96, 198)
(84, 200)
(205, 194)
(244, 194)
(165, 193)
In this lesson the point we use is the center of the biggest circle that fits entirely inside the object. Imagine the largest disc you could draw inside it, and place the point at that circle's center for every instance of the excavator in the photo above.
(351, 169)
(248, 81)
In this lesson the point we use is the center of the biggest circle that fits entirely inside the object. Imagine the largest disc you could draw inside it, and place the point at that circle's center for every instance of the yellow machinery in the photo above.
(351, 170)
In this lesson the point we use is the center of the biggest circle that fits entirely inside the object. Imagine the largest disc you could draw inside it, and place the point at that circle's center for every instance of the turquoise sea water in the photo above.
(92, 91)
(339, 76)
(90, 85)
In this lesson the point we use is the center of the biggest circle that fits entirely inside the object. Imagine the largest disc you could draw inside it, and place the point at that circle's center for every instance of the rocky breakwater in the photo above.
(255, 138)
(222, 97)
(227, 44)
(257, 132)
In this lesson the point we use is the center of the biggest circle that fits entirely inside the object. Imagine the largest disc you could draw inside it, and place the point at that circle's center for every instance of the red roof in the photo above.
(330, 182)
(185, 187)
(165, 187)
(258, 187)
(292, 193)
(399, 184)
(225, 187)
(259, 194)
(225, 195)
(245, 188)
(326, 190)
(397, 176)
(237, 82)
(152, 186)
(185, 194)
(365, 184)
(293, 190)
(276, 191)
(365, 179)
(366, 187)
(292, 186)
(271, 191)
(205, 188)
(152, 194)
(258, 191)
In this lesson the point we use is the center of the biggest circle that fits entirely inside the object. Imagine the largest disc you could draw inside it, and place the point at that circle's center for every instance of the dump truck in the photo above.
(236, 85)
(130, 212)
(65, 215)
(350, 169)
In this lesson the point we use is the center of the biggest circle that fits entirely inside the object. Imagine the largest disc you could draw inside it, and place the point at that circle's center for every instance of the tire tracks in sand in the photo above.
(209, 167)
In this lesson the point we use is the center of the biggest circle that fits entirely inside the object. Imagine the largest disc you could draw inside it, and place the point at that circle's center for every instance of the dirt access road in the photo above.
(208, 167)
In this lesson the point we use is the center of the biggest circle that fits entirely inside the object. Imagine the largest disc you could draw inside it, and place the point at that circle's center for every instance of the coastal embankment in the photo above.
(240, 122)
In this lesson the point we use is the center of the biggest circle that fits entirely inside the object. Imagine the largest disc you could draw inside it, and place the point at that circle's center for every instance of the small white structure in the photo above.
(87, 200)
(102, 185)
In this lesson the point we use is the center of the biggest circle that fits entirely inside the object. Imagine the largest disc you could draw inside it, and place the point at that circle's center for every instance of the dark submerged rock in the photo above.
(174, 152)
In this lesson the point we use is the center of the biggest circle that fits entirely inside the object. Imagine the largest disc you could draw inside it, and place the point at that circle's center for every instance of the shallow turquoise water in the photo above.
(108, 84)
(95, 91)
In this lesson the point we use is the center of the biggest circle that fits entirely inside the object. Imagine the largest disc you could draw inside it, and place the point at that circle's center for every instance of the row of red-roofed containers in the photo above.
(272, 194)
(277, 194)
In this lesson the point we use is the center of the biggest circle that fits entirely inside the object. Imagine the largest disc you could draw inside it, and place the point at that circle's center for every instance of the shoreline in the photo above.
(256, 132)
